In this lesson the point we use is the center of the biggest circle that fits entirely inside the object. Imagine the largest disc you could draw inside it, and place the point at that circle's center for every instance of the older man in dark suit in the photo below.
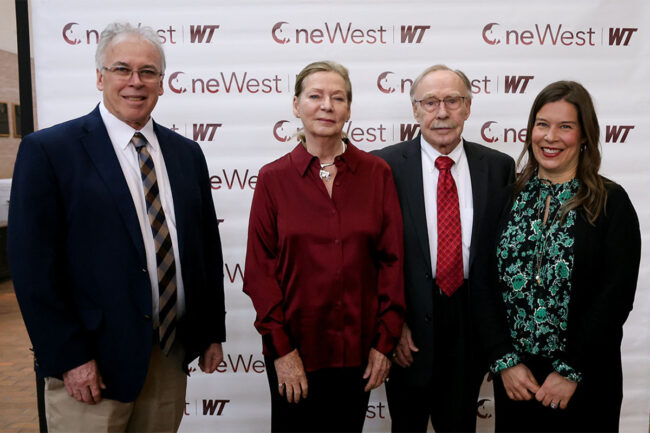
(445, 184)
(115, 252)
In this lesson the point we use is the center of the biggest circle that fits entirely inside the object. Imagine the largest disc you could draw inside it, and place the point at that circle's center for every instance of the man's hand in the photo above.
(210, 360)
(556, 391)
(403, 352)
(292, 381)
(84, 383)
(519, 382)
(377, 369)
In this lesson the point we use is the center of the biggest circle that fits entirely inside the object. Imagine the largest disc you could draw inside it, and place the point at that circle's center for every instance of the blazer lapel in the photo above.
(100, 149)
(414, 193)
(479, 176)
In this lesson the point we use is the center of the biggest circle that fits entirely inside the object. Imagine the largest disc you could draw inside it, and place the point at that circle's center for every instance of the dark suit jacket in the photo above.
(603, 284)
(490, 171)
(77, 256)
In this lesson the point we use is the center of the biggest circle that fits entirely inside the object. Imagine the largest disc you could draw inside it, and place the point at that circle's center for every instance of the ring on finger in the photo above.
(553, 405)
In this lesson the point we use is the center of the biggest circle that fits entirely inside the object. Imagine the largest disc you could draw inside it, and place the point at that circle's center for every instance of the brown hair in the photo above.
(322, 66)
(591, 195)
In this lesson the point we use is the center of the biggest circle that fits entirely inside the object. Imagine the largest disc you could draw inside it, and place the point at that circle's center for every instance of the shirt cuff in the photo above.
(385, 344)
(565, 370)
(277, 342)
(506, 361)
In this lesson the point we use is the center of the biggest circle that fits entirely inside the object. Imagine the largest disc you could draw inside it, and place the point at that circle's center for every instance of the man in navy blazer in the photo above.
(84, 262)
(438, 368)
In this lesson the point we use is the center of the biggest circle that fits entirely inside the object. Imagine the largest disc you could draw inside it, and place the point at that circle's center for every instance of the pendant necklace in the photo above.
(324, 174)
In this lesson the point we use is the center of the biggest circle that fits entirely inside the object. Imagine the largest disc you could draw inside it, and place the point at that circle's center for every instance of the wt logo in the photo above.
(512, 83)
(407, 131)
(413, 34)
(199, 33)
(204, 131)
(613, 132)
(620, 35)
(212, 406)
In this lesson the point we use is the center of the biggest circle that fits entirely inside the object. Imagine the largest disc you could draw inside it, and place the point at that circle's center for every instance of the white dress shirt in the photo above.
(462, 178)
(120, 134)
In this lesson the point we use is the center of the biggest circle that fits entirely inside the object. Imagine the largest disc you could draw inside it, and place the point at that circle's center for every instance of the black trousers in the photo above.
(336, 402)
(587, 411)
(450, 398)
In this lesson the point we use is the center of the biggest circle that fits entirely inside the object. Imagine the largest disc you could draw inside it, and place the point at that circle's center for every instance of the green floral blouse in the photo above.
(534, 264)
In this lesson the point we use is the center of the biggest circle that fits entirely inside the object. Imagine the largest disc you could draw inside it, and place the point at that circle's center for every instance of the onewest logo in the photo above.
(541, 35)
(233, 180)
(245, 365)
(235, 273)
(328, 33)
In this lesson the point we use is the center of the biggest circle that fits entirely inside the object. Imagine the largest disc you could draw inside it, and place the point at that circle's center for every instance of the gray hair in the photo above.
(435, 68)
(115, 32)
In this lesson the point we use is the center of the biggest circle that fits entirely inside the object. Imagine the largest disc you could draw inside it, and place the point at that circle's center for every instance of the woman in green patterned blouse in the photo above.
(566, 266)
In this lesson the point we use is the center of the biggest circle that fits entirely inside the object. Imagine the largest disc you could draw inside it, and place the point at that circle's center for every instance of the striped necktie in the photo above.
(166, 323)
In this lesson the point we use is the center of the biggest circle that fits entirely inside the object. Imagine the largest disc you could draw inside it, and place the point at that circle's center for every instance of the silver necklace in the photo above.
(324, 174)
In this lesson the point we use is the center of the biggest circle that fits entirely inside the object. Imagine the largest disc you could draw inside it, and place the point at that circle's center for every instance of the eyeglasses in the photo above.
(432, 104)
(146, 75)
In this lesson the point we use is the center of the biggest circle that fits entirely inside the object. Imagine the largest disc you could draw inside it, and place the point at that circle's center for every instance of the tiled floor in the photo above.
(18, 412)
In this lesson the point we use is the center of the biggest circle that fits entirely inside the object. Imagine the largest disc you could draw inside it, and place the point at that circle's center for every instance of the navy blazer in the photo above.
(77, 256)
(490, 171)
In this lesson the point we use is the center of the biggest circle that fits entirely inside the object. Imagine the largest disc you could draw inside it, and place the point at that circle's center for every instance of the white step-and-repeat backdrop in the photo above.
(229, 80)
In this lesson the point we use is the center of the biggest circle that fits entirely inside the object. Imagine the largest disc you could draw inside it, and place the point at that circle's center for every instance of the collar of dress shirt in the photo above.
(302, 159)
(433, 154)
(122, 133)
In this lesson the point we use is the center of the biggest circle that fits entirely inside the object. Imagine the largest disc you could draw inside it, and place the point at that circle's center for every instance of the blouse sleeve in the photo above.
(260, 281)
(390, 280)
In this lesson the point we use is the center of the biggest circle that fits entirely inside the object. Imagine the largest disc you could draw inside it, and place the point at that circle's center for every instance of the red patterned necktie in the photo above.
(449, 264)
(166, 323)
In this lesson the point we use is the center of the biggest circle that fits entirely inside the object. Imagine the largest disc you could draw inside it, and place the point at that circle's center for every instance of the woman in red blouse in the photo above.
(324, 265)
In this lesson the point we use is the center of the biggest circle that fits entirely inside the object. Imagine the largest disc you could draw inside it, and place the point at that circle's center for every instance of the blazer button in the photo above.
(147, 317)
(428, 276)
(428, 318)
(144, 270)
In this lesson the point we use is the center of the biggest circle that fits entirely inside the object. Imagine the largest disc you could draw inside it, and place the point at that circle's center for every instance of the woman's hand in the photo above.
(292, 381)
(556, 391)
(519, 382)
(377, 369)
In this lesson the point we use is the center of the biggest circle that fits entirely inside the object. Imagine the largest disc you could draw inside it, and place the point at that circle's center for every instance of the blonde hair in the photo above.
(322, 66)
